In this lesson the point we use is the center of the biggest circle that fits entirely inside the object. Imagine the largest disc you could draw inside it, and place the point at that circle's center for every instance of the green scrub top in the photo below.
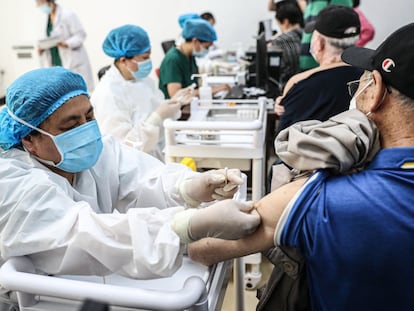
(176, 68)
(54, 52)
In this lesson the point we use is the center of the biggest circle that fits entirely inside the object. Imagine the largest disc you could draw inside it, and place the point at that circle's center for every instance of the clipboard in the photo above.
(48, 42)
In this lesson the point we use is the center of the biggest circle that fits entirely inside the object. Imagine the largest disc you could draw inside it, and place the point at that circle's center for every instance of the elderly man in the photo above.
(355, 231)
(321, 92)
(61, 182)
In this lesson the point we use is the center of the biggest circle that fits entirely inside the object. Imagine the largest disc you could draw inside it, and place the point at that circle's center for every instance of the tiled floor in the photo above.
(250, 300)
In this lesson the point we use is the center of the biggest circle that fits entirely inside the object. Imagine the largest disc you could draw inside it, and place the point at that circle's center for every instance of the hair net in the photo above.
(185, 17)
(126, 41)
(199, 29)
(33, 97)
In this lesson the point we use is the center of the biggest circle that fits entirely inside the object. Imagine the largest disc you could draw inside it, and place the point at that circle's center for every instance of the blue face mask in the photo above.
(202, 53)
(79, 148)
(144, 69)
(45, 9)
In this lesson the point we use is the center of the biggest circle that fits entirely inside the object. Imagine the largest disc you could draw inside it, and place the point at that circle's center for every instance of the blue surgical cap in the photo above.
(33, 97)
(126, 41)
(185, 17)
(199, 29)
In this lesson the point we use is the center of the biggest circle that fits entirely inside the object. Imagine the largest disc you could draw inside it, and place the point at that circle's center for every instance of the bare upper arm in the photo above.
(173, 88)
(210, 251)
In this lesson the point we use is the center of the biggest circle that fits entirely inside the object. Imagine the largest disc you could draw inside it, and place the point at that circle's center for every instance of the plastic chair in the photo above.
(167, 45)
(102, 71)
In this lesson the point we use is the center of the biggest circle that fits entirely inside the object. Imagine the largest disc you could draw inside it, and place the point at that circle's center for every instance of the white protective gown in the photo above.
(121, 107)
(69, 28)
(68, 229)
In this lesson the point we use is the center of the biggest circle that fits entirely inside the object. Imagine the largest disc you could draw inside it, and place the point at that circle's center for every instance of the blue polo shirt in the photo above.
(357, 235)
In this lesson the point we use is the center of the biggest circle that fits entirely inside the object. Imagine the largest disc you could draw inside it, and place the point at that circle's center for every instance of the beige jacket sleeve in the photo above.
(346, 141)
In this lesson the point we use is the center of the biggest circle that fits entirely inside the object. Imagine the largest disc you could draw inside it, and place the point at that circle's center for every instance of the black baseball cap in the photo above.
(394, 59)
(336, 21)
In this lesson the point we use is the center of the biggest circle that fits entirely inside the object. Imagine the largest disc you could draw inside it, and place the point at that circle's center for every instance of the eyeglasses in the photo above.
(354, 85)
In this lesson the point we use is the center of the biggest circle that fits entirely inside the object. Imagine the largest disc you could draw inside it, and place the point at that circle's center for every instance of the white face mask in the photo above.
(352, 103)
(312, 53)
(202, 53)
(311, 49)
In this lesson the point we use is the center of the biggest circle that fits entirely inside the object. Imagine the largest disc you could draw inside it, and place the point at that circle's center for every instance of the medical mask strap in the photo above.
(353, 100)
(133, 73)
(48, 162)
(28, 124)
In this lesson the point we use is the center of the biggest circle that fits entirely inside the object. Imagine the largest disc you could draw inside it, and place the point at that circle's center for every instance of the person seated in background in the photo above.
(367, 29)
(179, 64)
(310, 11)
(322, 92)
(350, 229)
(209, 17)
(213, 51)
(127, 102)
(289, 18)
(61, 182)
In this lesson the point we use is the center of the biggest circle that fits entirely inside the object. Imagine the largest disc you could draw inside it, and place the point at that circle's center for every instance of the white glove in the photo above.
(211, 185)
(168, 109)
(228, 219)
(184, 96)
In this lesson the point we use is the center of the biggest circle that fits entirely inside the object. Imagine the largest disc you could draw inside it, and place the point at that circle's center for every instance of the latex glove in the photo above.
(228, 219)
(211, 185)
(184, 96)
(168, 109)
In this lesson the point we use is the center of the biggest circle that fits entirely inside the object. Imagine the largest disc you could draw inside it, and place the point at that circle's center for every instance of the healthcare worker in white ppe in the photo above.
(127, 102)
(61, 182)
(70, 52)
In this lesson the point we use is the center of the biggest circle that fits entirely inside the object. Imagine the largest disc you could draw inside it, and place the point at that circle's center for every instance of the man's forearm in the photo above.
(210, 251)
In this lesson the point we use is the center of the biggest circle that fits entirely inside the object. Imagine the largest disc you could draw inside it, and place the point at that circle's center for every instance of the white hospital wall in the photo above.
(387, 16)
(237, 21)
(23, 23)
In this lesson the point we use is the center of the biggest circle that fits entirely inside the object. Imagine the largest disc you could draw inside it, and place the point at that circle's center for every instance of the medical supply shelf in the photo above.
(226, 133)
(223, 132)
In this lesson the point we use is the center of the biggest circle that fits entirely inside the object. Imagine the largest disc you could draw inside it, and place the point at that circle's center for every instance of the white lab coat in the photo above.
(68, 27)
(67, 229)
(121, 107)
